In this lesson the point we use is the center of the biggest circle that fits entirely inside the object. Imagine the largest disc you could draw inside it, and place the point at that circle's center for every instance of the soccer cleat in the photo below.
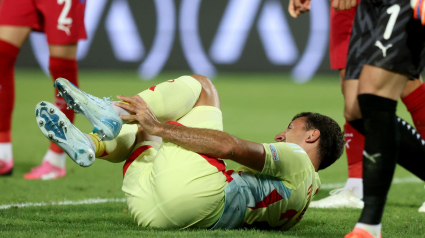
(339, 198)
(105, 121)
(422, 209)
(359, 233)
(6, 168)
(58, 129)
(45, 171)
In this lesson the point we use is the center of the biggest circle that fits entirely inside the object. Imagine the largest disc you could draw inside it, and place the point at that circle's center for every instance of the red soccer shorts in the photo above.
(61, 20)
(341, 26)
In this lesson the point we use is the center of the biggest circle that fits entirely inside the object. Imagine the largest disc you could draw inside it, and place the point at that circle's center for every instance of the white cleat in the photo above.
(339, 198)
(58, 129)
(422, 209)
(105, 121)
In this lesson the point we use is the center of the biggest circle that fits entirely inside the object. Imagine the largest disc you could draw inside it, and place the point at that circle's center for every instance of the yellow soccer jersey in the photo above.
(276, 197)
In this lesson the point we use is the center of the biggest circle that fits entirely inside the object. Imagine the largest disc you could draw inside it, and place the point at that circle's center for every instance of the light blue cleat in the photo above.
(58, 129)
(105, 121)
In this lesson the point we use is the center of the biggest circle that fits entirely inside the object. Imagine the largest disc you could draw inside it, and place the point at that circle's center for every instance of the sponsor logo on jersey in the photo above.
(274, 152)
(348, 135)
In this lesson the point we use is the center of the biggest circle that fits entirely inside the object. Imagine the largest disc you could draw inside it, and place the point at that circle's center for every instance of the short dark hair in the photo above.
(331, 140)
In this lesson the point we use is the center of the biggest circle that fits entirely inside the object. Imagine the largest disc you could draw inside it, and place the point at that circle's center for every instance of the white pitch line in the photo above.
(122, 200)
(395, 181)
(62, 203)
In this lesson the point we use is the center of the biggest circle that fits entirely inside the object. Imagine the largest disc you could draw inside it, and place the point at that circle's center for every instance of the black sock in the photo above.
(380, 153)
(412, 147)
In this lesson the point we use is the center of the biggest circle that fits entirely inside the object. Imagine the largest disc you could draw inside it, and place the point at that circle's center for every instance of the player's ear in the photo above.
(313, 136)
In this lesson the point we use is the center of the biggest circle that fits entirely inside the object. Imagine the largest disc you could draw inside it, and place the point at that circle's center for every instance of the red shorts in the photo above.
(61, 20)
(341, 26)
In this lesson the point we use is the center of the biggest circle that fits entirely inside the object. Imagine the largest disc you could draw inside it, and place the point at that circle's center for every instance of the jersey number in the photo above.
(64, 22)
(394, 10)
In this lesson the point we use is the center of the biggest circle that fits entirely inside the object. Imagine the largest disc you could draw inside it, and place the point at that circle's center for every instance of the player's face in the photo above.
(294, 133)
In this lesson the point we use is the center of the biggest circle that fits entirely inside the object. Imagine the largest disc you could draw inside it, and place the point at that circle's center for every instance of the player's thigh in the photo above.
(188, 187)
(137, 187)
(350, 89)
(15, 35)
(381, 82)
(63, 20)
(63, 51)
(17, 19)
(209, 95)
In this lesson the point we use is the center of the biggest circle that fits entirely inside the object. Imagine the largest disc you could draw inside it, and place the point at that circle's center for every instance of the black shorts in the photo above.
(386, 35)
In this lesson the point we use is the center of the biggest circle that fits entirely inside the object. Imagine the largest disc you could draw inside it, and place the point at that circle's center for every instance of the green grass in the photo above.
(255, 107)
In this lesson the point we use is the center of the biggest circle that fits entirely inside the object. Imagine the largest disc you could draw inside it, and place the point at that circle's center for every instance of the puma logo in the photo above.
(383, 48)
(65, 29)
(371, 157)
(346, 143)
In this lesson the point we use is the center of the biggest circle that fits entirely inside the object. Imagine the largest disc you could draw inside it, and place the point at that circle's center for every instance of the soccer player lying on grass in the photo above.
(172, 177)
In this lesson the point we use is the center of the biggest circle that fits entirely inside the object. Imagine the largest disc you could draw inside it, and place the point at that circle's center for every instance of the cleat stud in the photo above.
(58, 95)
(41, 122)
(52, 110)
(36, 112)
(68, 108)
(81, 164)
(90, 157)
(75, 105)
(50, 136)
(61, 123)
(64, 92)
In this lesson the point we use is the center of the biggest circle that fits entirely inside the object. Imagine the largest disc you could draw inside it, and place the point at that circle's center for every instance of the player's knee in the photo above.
(205, 81)
(351, 115)
(209, 95)
(63, 51)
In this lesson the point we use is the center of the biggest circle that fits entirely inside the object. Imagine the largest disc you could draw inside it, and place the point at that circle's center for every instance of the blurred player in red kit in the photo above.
(63, 23)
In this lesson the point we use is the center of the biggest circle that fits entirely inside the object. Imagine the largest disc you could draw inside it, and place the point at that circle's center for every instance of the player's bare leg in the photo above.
(349, 196)
(62, 63)
(11, 40)
(379, 90)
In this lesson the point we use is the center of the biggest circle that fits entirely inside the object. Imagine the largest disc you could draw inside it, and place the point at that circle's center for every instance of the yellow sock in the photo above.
(172, 99)
(117, 149)
(100, 146)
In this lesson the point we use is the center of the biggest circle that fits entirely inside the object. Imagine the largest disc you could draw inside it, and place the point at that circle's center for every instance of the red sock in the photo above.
(8, 54)
(63, 68)
(415, 103)
(354, 148)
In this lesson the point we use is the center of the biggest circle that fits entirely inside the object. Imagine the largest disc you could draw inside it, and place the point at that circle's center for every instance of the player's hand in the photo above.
(141, 113)
(418, 10)
(340, 5)
(296, 7)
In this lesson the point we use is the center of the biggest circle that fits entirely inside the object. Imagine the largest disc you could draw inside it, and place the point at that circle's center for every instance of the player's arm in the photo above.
(204, 141)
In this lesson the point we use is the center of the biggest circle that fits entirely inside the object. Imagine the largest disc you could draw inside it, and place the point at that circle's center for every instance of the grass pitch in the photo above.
(255, 107)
